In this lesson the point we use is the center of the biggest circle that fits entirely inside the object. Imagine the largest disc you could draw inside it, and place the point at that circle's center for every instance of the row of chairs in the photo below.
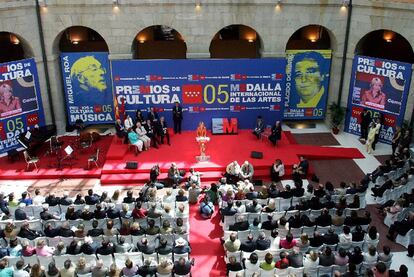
(53, 242)
(118, 258)
(35, 210)
(319, 271)
(393, 174)
(395, 193)
(283, 204)
(229, 220)
(37, 224)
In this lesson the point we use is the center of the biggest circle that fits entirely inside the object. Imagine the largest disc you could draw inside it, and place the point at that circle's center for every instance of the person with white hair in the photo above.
(232, 172)
(246, 171)
(174, 174)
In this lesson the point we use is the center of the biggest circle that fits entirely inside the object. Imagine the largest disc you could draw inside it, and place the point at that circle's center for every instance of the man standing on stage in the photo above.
(365, 122)
(177, 117)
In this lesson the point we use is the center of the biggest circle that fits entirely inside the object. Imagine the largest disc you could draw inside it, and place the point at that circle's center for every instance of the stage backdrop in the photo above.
(20, 101)
(87, 87)
(392, 80)
(242, 89)
(307, 83)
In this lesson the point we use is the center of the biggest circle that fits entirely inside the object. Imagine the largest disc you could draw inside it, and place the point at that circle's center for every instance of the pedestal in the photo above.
(203, 158)
(202, 141)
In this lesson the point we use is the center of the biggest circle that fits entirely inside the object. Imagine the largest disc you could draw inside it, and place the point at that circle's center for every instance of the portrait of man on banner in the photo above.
(88, 74)
(309, 76)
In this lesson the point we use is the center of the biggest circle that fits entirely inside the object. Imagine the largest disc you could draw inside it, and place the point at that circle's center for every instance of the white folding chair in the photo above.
(267, 273)
(233, 273)
(178, 256)
(135, 257)
(106, 259)
(44, 260)
(85, 275)
(282, 272)
(297, 271)
(325, 270)
(284, 204)
(60, 260)
(311, 271)
(151, 257)
(340, 268)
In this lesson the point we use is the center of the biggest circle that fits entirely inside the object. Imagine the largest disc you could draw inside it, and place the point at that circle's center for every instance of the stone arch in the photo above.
(14, 47)
(79, 39)
(236, 41)
(159, 42)
(386, 44)
(311, 37)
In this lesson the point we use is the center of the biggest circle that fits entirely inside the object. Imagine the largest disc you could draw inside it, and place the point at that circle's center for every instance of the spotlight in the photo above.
(198, 5)
(115, 3)
(277, 7)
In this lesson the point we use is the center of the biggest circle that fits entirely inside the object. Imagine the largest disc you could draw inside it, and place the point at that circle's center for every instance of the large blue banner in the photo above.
(242, 89)
(307, 83)
(87, 87)
(381, 87)
(21, 106)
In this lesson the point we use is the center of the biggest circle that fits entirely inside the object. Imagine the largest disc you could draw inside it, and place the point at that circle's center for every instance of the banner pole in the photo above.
(344, 55)
(44, 57)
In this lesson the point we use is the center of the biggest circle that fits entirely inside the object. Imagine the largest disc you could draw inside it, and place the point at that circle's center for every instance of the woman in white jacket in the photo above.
(142, 134)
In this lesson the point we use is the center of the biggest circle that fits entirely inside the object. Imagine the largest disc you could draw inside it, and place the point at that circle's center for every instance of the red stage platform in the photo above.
(222, 149)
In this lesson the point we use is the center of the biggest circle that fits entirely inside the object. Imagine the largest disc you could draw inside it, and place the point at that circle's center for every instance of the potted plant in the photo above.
(337, 114)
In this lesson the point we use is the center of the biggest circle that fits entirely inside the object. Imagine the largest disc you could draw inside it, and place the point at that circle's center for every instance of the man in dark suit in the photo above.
(183, 267)
(145, 247)
(52, 200)
(65, 200)
(177, 117)
(295, 258)
(317, 240)
(325, 219)
(92, 198)
(270, 224)
(262, 243)
(27, 233)
(95, 231)
(65, 230)
(46, 215)
(241, 224)
(112, 212)
(365, 121)
(401, 227)
(51, 232)
(331, 237)
(19, 213)
(164, 247)
(249, 245)
(287, 193)
(152, 115)
(229, 210)
(106, 248)
(88, 247)
(161, 129)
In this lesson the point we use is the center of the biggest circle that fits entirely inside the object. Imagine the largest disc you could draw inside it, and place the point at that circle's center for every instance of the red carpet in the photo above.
(48, 163)
(221, 148)
(206, 248)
